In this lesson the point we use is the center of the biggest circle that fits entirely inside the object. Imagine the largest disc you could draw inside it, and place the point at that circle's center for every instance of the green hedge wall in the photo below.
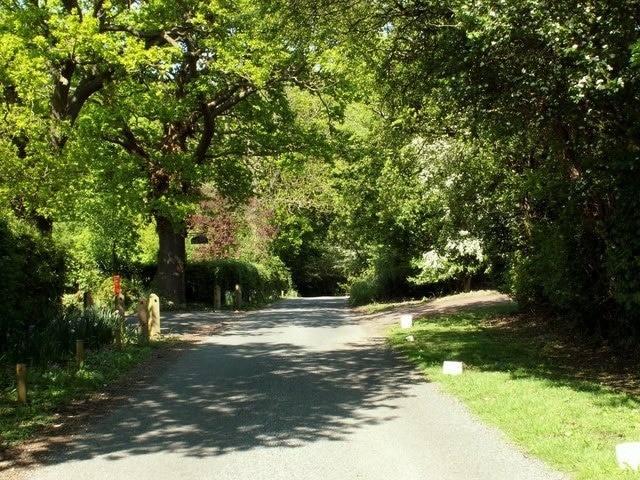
(259, 283)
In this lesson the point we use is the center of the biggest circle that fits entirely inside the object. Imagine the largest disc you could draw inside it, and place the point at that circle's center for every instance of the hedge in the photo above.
(259, 283)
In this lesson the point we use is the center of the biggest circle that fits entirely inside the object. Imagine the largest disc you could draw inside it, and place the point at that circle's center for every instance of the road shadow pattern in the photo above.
(259, 394)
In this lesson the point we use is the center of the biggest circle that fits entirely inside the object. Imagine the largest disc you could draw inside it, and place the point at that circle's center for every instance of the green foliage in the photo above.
(300, 193)
(392, 268)
(181, 97)
(56, 342)
(460, 259)
(390, 279)
(95, 252)
(363, 292)
(540, 102)
(136, 283)
(368, 136)
(54, 57)
(259, 283)
(32, 278)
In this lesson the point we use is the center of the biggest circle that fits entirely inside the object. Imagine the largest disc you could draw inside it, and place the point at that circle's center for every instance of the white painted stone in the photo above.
(452, 368)
(628, 455)
(406, 321)
(410, 338)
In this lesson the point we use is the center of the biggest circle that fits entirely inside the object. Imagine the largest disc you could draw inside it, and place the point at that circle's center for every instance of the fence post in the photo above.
(154, 316)
(217, 297)
(21, 372)
(143, 320)
(120, 311)
(87, 300)
(237, 298)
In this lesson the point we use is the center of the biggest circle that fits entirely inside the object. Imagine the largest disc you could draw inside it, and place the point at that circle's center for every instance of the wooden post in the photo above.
(79, 352)
(143, 320)
(120, 305)
(120, 311)
(237, 298)
(21, 372)
(217, 297)
(154, 316)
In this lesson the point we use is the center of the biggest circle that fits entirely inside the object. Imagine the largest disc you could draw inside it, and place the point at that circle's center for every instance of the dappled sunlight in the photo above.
(502, 348)
(229, 395)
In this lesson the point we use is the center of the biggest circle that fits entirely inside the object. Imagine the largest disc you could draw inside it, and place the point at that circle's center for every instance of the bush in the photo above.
(32, 273)
(362, 292)
(132, 289)
(259, 283)
(392, 272)
(564, 272)
(57, 342)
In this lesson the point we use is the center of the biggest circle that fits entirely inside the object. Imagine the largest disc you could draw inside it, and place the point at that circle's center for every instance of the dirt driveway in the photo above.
(381, 321)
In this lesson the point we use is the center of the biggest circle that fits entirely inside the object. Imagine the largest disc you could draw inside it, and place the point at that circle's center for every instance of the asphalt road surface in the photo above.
(298, 391)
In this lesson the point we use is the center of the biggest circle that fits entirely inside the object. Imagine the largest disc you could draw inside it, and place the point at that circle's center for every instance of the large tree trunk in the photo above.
(467, 283)
(171, 260)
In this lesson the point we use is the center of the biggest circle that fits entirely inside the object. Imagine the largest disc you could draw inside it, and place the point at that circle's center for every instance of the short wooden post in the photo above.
(121, 313)
(79, 352)
(21, 372)
(120, 305)
(143, 319)
(217, 297)
(237, 298)
(154, 316)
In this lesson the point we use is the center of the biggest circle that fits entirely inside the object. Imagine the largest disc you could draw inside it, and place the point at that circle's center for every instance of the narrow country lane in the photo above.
(298, 391)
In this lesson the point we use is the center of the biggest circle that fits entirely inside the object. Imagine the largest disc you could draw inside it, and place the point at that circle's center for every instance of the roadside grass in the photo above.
(512, 384)
(58, 385)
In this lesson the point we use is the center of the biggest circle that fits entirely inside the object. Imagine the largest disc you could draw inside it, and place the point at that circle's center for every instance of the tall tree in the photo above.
(546, 94)
(211, 96)
(54, 56)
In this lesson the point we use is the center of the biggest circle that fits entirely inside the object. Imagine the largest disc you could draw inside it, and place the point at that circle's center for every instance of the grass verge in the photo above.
(511, 382)
(57, 386)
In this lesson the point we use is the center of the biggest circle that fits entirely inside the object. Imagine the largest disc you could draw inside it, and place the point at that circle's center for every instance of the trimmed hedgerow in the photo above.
(259, 283)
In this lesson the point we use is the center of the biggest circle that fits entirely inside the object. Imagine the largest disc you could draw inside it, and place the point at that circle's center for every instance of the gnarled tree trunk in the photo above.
(171, 260)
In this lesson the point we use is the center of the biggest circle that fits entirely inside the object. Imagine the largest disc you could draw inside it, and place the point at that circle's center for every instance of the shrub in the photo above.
(259, 282)
(362, 292)
(96, 327)
(132, 289)
(32, 272)
(392, 270)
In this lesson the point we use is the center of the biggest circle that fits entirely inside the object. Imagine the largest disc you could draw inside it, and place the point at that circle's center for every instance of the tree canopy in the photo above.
(412, 145)
(544, 97)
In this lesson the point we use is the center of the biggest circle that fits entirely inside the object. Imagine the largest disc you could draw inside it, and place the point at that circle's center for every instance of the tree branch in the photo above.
(153, 38)
(128, 142)
(231, 98)
(208, 121)
(87, 87)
